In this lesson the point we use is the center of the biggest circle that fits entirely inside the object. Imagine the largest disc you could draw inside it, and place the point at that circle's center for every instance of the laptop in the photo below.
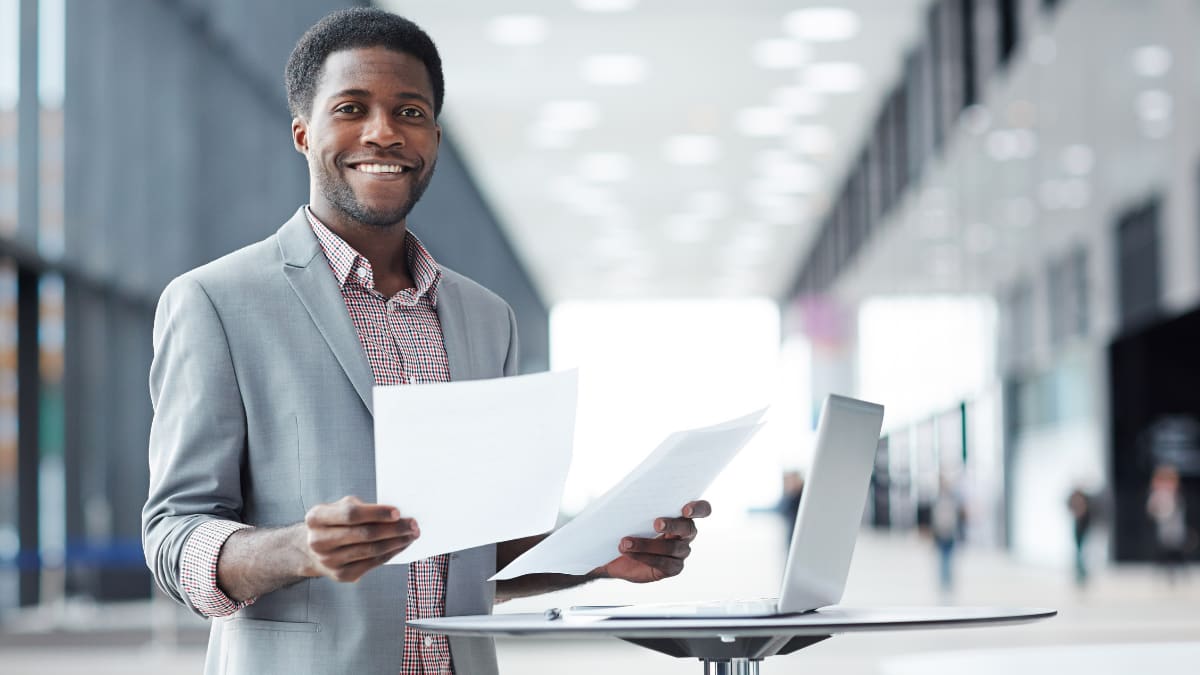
(827, 524)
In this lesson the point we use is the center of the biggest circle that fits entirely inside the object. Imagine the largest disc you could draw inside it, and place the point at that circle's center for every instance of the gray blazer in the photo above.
(262, 409)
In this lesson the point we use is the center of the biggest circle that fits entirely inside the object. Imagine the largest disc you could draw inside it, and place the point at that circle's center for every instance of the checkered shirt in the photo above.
(402, 338)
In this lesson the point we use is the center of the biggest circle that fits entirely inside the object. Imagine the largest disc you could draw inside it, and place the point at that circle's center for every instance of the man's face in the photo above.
(371, 139)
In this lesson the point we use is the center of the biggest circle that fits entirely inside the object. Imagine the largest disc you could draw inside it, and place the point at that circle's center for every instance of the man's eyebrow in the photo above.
(363, 93)
(414, 96)
(356, 93)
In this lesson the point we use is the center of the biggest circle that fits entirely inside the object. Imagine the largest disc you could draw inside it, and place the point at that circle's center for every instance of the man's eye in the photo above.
(348, 108)
(412, 112)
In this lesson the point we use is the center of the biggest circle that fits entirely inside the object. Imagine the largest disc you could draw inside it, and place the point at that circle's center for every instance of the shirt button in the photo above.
(428, 641)
(361, 272)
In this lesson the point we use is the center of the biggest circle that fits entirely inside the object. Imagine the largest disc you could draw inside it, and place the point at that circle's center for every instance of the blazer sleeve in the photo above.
(198, 435)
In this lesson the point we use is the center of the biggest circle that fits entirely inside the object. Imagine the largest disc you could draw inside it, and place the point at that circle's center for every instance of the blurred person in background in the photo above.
(261, 382)
(946, 520)
(1082, 512)
(789, 502)
(1168, 511)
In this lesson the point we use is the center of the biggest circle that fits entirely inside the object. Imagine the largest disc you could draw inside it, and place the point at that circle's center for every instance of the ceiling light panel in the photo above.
(1151, 61)
(1007, 144)
(822, 24)
(1154, 105)
(608, 6)
(518, 30)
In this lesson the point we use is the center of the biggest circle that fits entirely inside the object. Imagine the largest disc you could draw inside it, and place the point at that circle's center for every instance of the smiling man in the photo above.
(260, 510)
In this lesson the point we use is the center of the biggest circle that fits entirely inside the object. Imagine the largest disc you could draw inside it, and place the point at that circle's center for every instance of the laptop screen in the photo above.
(832, 504)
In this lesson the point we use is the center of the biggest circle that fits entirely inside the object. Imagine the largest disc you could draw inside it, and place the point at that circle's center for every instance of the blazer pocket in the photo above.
(259, 646)
(237, 623)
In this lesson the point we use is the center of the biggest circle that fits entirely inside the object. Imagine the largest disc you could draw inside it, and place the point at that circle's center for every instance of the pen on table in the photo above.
(552, 614)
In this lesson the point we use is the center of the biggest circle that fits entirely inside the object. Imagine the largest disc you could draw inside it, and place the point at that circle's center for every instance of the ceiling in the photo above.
(663, 148)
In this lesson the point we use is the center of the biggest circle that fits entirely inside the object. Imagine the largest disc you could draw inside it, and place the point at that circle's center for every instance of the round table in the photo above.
(729, 645)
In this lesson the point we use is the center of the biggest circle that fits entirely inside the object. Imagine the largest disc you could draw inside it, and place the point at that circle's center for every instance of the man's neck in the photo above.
(384, 247)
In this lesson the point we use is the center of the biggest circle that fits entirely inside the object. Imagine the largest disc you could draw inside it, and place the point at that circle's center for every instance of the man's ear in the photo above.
(300, 135)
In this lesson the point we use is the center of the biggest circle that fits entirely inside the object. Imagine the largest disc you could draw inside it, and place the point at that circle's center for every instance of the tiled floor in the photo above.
(1121, 605)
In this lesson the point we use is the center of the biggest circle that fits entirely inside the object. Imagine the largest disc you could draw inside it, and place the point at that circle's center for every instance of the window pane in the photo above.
(9, 540)
(51, 74)
(9, 52)
(52, 502)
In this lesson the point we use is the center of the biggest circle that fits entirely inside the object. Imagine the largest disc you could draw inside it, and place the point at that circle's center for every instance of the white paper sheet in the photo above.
(677, 472)
(474, 462)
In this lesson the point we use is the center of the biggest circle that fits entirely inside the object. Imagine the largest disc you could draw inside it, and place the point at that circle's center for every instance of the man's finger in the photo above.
(356, 512)
(676, 528)
(663, 566)
(348, 555)
(673, 548)
(380, 531)
(350, 511)
(356, 570)
(326, 539)
(697, 509)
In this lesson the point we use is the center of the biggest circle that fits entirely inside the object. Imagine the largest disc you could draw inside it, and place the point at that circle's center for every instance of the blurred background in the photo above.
(981, 213)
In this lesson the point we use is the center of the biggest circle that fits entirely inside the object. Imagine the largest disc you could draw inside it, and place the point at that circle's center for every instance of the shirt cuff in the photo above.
(198, 570)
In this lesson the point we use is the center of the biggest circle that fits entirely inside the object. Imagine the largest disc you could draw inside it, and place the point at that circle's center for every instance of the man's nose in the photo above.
(383, 130)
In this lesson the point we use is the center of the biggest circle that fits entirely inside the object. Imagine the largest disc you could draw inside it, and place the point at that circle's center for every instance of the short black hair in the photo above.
(356, 28)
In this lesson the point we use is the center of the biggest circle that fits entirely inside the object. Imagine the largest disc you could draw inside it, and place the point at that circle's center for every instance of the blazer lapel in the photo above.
(455, 335)
(308, 273)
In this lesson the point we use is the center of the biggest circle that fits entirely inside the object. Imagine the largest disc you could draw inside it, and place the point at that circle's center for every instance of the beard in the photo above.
(341, 196)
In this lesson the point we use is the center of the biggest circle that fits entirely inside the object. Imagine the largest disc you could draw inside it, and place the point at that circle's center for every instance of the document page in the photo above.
(677, 472)
(475, 462)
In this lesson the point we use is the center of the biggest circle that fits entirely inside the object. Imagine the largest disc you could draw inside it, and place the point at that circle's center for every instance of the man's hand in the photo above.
(644, 560)
(348, 538)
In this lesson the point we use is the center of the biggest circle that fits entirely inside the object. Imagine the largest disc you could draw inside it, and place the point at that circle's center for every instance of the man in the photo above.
(261, 383)
(1080, 506)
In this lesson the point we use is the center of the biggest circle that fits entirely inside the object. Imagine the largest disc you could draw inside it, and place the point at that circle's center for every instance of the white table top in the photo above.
(826, 621)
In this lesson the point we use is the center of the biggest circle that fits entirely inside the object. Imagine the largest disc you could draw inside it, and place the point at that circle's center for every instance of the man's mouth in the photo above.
(384, 169)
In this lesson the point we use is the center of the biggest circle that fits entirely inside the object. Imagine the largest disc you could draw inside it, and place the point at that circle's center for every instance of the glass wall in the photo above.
(10, 542)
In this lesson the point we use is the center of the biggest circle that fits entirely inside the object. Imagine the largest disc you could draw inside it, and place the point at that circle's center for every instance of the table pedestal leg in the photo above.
(731, 667)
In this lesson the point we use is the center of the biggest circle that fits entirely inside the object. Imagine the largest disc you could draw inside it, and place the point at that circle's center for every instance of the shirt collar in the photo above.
(350, 266)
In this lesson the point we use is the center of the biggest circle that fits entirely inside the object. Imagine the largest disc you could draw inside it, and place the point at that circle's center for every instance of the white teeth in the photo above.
(380, 168)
